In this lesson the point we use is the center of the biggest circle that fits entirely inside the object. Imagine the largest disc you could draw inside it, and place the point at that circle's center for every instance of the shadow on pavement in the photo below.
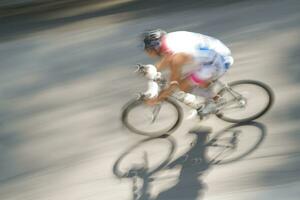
(18, 25)
(193, 164)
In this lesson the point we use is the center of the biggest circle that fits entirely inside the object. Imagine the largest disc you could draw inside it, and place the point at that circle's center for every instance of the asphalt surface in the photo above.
(65, 75)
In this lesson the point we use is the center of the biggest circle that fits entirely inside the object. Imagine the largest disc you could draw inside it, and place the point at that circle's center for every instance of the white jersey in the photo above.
(203, 48)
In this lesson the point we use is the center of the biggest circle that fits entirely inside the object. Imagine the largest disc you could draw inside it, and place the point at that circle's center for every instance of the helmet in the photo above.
(152, 38)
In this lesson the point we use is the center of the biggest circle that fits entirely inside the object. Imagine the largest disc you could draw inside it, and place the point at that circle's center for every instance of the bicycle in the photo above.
(165, 117)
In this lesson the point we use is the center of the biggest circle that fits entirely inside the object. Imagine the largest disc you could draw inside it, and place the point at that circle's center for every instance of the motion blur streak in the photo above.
(66, 70)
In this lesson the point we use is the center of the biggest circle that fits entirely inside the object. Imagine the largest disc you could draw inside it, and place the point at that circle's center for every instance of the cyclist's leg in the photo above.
(185, 85)
(203, 78)
(188, 85)
(208, 74)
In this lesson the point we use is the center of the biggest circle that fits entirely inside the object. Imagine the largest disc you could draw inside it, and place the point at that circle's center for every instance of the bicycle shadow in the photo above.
(196, 162)
(199, 159)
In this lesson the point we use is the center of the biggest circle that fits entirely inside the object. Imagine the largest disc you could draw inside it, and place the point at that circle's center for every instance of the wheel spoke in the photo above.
(152, 120)
(229, 104)
(155, 113)
(235, 142)
(245, 101)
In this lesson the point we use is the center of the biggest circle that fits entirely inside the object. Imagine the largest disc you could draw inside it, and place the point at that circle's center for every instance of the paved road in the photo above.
(66, 75)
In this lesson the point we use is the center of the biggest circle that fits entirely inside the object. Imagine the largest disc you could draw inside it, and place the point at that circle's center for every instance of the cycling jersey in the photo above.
(210, 54)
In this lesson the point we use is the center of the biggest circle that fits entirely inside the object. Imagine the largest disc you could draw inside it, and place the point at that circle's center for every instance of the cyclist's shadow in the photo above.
(193, 164)
(222, 148)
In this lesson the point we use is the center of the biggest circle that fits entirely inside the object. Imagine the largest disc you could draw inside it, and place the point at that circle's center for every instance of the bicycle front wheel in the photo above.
(152, 121)
(245, 100)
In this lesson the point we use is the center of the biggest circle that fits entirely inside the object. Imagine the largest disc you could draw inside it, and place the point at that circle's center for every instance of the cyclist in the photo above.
(210, 57)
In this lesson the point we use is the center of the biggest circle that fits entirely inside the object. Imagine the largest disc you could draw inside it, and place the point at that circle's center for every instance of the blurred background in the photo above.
(66, 70)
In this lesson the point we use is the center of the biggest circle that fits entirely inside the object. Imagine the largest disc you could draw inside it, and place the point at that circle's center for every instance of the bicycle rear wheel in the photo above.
(246, 100)
(152, 121)
(235, 142)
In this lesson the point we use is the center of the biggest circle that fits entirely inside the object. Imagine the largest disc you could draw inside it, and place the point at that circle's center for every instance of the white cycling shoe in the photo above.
(192, 114)
(210, 107)
(204, 111)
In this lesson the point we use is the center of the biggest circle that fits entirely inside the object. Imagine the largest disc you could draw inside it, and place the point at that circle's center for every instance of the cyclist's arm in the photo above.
(176, 64)
(163, 63)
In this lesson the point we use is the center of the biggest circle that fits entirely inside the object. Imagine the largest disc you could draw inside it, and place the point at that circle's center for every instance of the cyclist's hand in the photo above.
(152, 102)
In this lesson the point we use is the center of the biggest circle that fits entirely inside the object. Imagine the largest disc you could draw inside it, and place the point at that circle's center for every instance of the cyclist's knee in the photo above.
(185, 85)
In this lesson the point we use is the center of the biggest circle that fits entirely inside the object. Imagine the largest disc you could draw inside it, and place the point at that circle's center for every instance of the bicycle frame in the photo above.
(156, 83)
(237, 97)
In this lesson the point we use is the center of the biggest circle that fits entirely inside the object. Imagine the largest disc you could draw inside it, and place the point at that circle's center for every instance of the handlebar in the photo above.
(140, 69)
(149, 71)
(155, 80)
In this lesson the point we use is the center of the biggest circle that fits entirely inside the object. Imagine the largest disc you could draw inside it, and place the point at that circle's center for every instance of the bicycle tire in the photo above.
(261, 136)
(116, 167)
(262, 85)
(134, 103)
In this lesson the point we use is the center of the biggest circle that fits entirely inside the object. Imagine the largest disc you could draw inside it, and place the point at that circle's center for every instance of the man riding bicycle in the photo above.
(210, 57)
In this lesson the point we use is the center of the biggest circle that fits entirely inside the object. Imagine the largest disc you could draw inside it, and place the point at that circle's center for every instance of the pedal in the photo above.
(205, 111)
(200, 113)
